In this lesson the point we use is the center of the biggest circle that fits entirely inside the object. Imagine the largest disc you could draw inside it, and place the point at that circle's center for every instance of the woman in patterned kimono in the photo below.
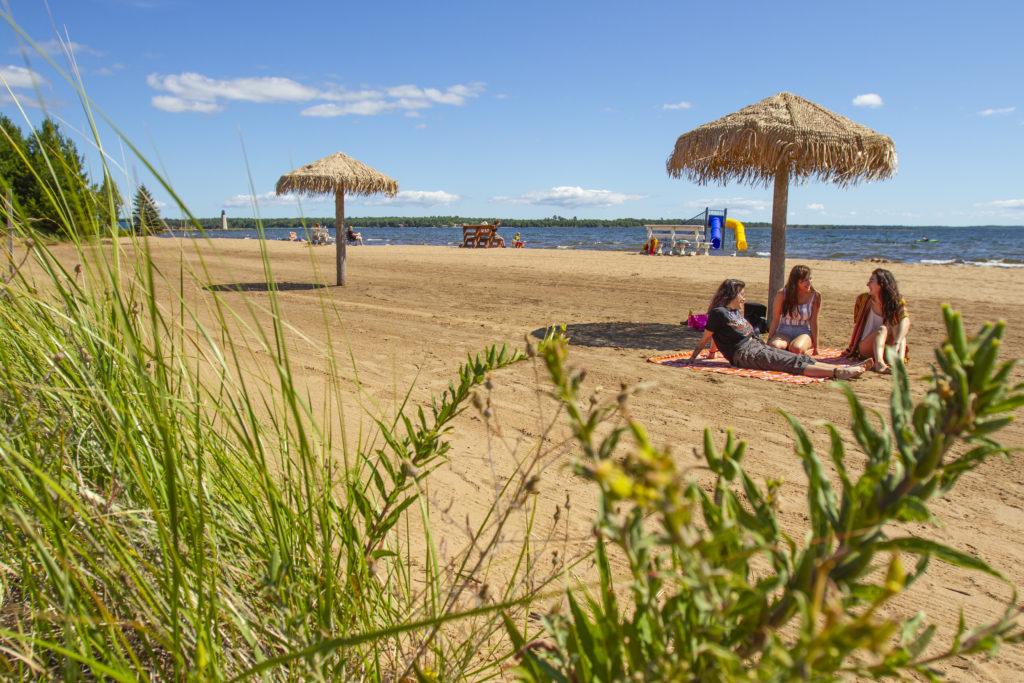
(880, 319)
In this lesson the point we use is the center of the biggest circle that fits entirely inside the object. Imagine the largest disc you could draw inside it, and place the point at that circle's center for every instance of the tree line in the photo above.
(45, 177)
(430, 222)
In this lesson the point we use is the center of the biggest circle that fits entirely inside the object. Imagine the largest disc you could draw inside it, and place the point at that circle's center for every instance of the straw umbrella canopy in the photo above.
(781, 138)
(337, 174)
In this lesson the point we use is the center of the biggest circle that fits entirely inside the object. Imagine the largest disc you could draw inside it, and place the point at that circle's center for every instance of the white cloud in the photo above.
(871, 100)
(57, 47)
(177, 104)
(677, 105)
(501, 96)
(364, 108)
(417, 198)
(1004, 204)
(407, 98)
(20, 77)
(999, 111)
(109, 70)
(262, 199)
(420, 98)
(816, 207)
(336, 94)
(199, 88)
(569, 197)
(730, 203)
(420, 126)
(195, 92)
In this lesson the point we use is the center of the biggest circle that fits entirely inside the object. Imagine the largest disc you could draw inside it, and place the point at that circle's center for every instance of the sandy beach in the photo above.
(409, 316)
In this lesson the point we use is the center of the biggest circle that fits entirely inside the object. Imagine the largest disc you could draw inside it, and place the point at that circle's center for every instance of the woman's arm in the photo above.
(776, 314)
(814, 323)
(902, 330)
(700, 346)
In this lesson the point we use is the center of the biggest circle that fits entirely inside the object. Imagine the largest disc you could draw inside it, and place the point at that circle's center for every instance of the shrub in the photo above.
(718, 591)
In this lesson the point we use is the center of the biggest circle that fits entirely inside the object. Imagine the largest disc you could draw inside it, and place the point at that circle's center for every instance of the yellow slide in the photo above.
(741, 233)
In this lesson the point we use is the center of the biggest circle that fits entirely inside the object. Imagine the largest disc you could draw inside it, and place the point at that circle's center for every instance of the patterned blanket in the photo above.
(720, 365)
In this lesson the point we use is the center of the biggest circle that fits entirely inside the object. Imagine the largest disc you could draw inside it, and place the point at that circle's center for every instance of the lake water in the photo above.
(1000, 247)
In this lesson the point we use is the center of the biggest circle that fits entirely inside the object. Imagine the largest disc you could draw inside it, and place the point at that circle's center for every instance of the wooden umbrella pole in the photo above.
(780, 204)
(339, 234)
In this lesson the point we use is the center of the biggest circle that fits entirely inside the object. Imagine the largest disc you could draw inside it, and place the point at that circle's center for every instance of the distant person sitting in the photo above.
(293, 236)
(517, 241)
(352, 236)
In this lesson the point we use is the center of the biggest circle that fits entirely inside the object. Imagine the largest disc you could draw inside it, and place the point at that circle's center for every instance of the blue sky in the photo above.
(536, 108)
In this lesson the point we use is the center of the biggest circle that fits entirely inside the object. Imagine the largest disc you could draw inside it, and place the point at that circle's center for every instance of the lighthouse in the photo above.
(223, 219)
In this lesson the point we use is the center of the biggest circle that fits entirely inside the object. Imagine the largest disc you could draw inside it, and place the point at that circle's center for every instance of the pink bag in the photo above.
(697, 322)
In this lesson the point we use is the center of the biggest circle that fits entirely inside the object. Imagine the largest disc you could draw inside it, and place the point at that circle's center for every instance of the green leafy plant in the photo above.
(718, 591)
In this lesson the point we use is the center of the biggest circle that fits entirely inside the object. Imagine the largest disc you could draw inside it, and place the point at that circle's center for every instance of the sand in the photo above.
(409, 316)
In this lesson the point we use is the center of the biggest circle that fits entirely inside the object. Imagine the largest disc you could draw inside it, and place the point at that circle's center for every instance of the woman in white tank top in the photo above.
(794, 325)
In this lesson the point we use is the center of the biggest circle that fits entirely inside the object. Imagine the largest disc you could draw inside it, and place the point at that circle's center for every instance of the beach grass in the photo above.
(174, 505)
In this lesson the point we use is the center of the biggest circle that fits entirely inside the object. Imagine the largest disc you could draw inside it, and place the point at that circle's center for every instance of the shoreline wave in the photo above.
(998, 249)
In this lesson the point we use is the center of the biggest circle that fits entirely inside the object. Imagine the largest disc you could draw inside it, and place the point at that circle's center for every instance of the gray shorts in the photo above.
(791, 332)
(754, 354)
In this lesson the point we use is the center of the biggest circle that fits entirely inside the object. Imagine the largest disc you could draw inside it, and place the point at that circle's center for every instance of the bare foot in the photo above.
(854, 371)
(883, 369)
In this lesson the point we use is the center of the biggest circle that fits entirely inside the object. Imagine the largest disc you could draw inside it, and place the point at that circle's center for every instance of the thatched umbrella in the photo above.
(337, 174)
(778, 138)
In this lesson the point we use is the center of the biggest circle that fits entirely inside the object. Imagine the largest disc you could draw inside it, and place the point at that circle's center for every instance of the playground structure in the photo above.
(702, 235)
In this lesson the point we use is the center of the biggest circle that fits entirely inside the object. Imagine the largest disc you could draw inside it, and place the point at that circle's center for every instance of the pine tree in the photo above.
(145, 215)
(63, 200)
(15, 174)
(109, 204)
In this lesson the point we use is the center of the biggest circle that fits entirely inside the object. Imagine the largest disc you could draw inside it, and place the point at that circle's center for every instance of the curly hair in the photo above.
(791, 290)
(892, 302)
(727, 291)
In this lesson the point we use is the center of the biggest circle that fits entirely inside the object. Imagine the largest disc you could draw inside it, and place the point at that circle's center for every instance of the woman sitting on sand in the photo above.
(736, 338)
(795, 314)
(880, 319)
(352, 236)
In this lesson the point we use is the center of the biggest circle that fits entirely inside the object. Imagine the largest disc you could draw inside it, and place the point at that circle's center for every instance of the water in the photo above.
(1001, 247)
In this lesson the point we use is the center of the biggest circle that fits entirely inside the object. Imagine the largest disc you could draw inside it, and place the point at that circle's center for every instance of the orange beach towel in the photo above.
(721, 365)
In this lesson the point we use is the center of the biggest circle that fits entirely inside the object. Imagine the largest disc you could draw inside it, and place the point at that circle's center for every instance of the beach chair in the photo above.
(482, 235)
(469, 235)
(319, 235)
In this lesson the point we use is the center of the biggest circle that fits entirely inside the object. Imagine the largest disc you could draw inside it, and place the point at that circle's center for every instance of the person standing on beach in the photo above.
(880, 319)
(739, 343)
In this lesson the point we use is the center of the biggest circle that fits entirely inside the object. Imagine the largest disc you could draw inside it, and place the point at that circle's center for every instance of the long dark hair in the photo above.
(892, 302)
(791, 290)
(727, 291)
